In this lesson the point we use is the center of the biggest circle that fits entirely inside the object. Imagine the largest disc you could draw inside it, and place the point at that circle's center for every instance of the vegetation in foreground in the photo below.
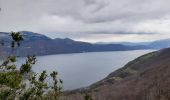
(23, 83)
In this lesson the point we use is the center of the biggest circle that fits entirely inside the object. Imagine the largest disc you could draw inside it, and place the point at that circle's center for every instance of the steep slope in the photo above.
(28, 36)
(33, 44)
(145, 78)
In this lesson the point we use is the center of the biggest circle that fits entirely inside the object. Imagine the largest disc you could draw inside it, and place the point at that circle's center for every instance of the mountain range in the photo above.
(158, 44)
(38, 44)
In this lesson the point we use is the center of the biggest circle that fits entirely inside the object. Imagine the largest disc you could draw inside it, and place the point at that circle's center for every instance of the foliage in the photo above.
(23, 84)
(130, 71)
(88, 97)
(11, 79)
(17, 38)
(115, 78)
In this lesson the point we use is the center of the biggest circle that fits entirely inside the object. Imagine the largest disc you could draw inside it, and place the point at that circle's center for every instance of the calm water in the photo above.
(82, 69)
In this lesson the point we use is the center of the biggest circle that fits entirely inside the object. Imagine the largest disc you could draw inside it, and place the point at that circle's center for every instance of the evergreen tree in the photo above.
(24, 84)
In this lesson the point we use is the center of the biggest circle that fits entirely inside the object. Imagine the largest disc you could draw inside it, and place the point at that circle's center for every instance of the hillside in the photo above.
(145, 78)
(39, 44)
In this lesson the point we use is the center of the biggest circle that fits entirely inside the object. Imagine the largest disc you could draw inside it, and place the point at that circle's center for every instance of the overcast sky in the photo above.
(89, 20)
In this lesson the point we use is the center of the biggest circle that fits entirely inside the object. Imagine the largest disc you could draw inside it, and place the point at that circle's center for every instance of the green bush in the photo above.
(11, 79)
(23, 84)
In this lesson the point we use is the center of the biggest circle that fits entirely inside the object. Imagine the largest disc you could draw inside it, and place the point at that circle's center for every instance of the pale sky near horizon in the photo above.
(89, 20)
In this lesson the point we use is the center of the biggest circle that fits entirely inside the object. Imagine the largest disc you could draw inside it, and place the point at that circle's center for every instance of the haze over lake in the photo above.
(82, 69)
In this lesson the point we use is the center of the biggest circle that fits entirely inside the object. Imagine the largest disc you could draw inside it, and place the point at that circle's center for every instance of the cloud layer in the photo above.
(89, 20)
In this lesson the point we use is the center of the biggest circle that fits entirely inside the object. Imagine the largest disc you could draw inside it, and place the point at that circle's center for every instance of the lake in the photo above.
(82, 69)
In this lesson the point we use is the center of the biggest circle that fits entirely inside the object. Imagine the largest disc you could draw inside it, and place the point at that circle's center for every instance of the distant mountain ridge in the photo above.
(38, 44)
(158, 44)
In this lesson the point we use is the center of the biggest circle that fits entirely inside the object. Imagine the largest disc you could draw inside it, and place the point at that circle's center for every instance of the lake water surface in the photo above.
(82, 69)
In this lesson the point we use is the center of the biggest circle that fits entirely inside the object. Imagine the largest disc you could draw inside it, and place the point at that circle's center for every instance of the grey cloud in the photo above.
(131, 9)
(86, 16)
(89, 2)
(98, 11)
(116, 32)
